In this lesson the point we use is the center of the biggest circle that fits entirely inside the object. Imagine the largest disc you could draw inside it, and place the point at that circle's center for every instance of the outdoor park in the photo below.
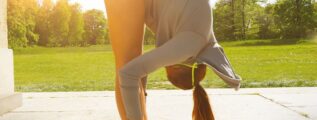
(62, 47)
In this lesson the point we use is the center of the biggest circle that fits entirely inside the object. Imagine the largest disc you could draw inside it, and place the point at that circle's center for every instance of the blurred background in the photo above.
(64, 45)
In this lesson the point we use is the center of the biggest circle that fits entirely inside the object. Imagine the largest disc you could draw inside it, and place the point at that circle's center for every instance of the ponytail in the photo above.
(202, 109)
(188, 77)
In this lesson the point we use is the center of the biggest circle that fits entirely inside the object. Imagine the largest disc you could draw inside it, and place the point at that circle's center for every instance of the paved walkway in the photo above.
(245, 104)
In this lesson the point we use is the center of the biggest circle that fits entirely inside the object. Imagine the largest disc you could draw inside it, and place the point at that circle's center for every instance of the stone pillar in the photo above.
(9, 100)
(3, 24)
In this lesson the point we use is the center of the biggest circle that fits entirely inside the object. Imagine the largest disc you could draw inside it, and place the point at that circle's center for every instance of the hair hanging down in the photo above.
(181, 77)
(202, 109)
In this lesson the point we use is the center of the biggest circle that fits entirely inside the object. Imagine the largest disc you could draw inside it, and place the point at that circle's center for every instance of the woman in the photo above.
(184, 35)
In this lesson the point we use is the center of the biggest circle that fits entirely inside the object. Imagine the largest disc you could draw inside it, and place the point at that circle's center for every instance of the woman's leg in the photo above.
(181, 47)
(126, 23)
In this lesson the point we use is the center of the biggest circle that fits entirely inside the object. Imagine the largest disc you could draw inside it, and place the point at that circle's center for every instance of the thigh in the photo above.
(126, 23)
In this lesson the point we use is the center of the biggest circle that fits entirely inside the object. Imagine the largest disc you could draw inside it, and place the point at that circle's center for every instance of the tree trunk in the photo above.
(243, 19)
(232, 20)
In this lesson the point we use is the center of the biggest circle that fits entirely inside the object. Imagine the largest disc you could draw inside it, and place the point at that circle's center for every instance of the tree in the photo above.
(21, 23)
(247, 14)
(95, 27)
(237, 19)
(224, 20)
(31, 9)
(233, 15)
(42, 22)
(295, 18)
(267, 27)
(315, 17)
(59, 24)
(16, 29)
(76, 26)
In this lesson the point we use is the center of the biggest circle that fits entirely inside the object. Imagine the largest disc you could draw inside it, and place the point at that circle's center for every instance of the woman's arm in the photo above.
(126, 23)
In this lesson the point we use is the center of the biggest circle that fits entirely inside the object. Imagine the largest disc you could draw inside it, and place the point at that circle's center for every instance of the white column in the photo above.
(9, 100)
(3, 24)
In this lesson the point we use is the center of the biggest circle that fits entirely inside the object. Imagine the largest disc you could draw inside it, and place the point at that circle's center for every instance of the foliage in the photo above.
(48, 24)
(295, 18)
(59, 24)
(224, 20)
(76, 23)
(253, 19)
(267, 25)
(63, 24)
(21, 23)
(42, 22)
(95, 27)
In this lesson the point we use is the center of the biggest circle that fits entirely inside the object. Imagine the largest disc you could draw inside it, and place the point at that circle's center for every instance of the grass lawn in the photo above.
(92, 68)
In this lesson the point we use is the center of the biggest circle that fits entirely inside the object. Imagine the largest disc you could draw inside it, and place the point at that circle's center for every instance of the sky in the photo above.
(99, 4)
(91, 4)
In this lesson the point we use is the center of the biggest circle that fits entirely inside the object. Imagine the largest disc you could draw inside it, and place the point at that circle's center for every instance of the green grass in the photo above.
(92, 68)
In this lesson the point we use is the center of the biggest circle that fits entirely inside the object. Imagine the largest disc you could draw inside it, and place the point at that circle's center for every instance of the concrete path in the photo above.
(246, 104)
